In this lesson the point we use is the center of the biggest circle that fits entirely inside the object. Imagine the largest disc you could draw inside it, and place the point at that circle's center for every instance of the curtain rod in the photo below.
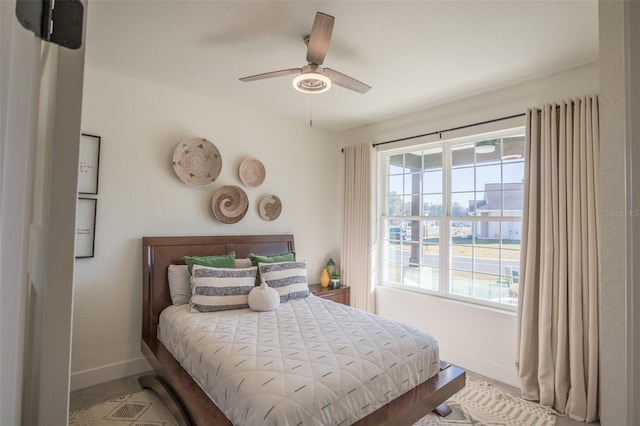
(439, 132)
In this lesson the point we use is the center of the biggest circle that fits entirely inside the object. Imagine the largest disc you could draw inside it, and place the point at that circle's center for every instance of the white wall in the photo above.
(499, 103)
(480, 339)
(39, 155)
(633, 304)
(618, 233)
(140, 195)
(18, 114)
(57, 308)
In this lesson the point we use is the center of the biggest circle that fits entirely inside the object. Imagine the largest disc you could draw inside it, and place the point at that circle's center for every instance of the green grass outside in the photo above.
(487, 250)
(485, 287)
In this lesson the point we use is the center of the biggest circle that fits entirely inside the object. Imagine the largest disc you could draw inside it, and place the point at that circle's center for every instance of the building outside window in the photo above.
(451, 218)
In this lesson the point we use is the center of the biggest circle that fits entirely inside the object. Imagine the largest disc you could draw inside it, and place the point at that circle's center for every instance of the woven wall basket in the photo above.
(270, 207)
(252, 172)
(197, 161)
(229, 204)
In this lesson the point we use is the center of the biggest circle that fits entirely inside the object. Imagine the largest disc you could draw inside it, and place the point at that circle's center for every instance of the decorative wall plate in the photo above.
(197, 161)
(229, 204)
(270, 207)
(252, 172)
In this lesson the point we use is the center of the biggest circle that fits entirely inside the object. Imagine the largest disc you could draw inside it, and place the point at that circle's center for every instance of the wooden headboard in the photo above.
(160, 252)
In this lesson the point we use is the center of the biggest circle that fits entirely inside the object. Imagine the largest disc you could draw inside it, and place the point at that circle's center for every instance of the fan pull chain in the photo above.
(310, 112)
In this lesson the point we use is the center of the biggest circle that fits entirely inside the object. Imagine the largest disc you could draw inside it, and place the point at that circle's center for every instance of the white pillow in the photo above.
(179, 284)
(242, 263)
(220, 289)
(263, 298)
(289, 279)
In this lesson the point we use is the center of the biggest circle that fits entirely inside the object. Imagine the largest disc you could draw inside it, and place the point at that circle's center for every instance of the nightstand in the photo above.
(339, 295)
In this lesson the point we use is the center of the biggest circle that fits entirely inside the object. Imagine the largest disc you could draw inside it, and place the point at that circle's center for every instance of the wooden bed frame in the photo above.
(188, 403)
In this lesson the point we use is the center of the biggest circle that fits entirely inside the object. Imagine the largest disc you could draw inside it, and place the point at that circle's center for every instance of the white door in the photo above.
(41, 93)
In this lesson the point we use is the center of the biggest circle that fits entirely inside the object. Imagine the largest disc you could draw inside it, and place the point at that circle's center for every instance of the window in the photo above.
(452, 218)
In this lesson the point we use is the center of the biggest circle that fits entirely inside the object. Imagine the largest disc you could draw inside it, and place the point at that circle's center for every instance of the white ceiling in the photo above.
(415, 54)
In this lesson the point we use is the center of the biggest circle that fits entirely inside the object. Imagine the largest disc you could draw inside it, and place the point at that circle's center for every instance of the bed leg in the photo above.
(159, 387)
(443, 410)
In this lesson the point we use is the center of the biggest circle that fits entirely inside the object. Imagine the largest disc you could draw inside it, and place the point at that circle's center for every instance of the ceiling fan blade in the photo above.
(271, 74)
(319, 38)
(346, 81)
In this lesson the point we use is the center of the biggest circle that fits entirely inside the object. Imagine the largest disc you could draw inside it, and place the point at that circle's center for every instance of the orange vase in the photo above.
(324, 278)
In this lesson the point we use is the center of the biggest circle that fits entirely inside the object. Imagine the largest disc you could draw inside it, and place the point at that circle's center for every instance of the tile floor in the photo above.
(86, 397)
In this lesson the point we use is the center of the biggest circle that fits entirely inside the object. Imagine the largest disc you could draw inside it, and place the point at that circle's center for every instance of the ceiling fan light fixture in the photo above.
(312, 82)
(312, 78)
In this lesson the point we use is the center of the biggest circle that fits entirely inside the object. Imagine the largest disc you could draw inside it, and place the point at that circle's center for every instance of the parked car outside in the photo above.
(397, 233)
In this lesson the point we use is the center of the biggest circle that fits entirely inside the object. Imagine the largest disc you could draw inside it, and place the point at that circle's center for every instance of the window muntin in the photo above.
(452, 218)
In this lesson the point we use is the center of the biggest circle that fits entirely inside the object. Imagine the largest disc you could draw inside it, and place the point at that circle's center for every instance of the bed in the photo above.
(185, 394)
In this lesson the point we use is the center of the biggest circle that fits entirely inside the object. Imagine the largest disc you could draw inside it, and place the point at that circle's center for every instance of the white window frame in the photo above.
(444, 220)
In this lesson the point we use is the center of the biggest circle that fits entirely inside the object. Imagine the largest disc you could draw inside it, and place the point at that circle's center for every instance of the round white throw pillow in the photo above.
(263, 298)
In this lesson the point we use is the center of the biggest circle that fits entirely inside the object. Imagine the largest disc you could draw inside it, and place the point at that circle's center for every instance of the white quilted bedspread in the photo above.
(309, 362)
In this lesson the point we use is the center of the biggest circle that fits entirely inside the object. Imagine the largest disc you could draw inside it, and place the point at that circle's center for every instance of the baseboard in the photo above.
(106, 373)
(481, 366)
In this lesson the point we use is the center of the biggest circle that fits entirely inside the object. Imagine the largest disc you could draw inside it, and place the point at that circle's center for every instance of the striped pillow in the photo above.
(221, 289)
(289, 279)
(258, 258)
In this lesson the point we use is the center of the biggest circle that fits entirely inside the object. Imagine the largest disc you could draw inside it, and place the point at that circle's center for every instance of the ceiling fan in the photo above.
(312, 78)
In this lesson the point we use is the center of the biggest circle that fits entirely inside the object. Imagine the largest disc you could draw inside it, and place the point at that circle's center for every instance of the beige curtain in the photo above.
(356, 241)
(558, 306)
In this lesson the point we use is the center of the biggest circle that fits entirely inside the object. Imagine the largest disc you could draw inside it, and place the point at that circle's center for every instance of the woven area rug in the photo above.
(142, 408)
(478, 403)
(481, 404)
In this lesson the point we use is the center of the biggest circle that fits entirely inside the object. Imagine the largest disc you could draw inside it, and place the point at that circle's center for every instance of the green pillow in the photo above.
(222, 261)
(257, 258)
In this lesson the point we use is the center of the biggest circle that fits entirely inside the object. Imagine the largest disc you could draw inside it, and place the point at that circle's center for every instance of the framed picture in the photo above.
(85, 227)
(88, 164)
